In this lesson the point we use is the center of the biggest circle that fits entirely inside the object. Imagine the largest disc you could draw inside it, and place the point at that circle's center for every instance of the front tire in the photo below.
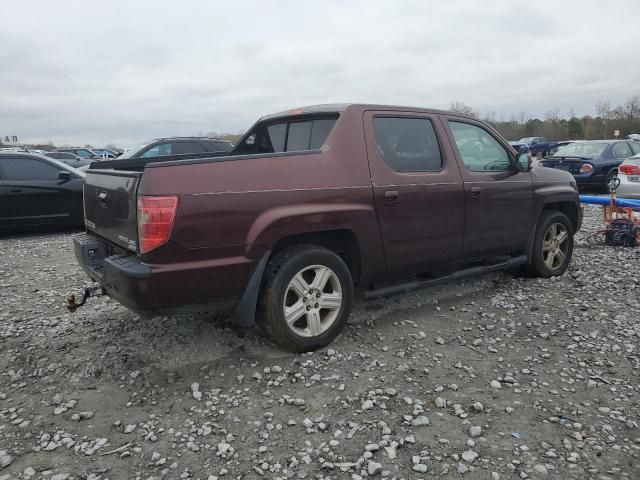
(306, 298)
(553, 245)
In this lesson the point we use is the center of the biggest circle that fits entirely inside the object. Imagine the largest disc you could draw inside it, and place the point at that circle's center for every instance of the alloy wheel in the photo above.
(555, 246)
(312, 301)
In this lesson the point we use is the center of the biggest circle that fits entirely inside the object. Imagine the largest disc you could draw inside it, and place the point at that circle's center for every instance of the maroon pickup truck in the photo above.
(316, 203)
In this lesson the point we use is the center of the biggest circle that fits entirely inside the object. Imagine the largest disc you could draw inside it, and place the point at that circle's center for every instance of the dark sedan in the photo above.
(81, 152)
(38, 190)
(71, 159)
(593, 162)
(191, 146)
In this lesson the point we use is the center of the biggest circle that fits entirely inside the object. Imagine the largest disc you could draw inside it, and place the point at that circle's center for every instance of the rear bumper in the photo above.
(628, 189)
(178, 287)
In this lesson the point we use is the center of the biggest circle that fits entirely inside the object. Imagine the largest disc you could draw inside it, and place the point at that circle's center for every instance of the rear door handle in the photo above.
(476, 191)
(391, 196)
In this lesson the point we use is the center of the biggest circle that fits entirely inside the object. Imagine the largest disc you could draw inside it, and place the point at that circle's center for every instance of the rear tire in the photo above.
(610, 176)
(552, 246)
(306, 298)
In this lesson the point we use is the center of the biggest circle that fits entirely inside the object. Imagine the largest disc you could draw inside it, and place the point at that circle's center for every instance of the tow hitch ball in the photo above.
(95, 291)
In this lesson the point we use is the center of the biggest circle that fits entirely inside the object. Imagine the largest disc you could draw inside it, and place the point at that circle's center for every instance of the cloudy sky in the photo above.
(122, 72)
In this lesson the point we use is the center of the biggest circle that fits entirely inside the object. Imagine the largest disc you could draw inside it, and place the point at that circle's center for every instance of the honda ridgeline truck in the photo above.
(315, 204)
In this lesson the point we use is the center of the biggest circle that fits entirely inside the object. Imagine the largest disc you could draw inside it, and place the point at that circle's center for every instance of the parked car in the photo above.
(71, 159)
(629, 175)
(594, 162)
(178, 146)
(106, 153)
(38, 190)
(634, 136)
(81, 152)
(538, 146)
(316, 202)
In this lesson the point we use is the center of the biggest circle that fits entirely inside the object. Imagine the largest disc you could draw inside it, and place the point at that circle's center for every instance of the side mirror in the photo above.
(64, 175)
(523, 162)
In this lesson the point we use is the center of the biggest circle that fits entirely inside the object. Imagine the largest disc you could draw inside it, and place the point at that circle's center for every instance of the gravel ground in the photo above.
(494, 377)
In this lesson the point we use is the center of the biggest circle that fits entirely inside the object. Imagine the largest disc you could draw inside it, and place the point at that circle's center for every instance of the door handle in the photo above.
(476, 191)
(391, 196)
(15, 190)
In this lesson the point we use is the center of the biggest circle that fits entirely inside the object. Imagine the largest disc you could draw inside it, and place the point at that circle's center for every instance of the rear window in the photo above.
(582, 149)
(287, 136)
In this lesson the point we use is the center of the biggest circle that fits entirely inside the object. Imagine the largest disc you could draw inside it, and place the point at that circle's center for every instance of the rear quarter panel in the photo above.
(243, 207)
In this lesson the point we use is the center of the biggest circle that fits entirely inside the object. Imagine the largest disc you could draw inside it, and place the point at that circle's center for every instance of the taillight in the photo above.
(586, 168)
(629, 169)
(155, 220)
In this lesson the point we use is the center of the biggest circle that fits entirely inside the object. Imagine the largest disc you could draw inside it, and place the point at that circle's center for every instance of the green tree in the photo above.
(575, 129)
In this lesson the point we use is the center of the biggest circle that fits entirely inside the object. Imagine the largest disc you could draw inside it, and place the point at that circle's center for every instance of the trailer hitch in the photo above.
(94, 291)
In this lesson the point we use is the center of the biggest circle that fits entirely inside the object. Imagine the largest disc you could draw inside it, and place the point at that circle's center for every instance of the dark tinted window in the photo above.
(320, 131)
(61, 155)
(622, 150)
(28, 169)
(180, 148)
(158, 150)
(299, 136)
(289, 136)
(213, 146)
(407, 144)
(277, 134)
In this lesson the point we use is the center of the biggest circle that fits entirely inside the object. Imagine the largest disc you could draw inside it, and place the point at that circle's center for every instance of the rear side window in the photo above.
(622, 150)
(180, 148)
(292, 136)
(61, 155)
(299, 136)
(212, 146)
(27, 169)
(407, 144)
(635, 147)
(277, 136)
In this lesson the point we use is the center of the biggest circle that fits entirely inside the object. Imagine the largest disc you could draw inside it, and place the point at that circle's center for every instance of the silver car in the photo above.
(629, 175)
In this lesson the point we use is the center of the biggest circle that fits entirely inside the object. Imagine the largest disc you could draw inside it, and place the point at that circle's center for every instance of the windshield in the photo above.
(582, 149)
(131, 151)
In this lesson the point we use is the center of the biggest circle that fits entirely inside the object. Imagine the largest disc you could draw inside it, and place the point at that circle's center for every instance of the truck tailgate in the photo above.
(110, 206)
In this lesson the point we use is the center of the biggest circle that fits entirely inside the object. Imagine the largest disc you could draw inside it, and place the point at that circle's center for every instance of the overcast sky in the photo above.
(123, 72)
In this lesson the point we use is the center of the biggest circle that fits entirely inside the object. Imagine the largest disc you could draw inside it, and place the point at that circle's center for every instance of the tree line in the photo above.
(625, 118)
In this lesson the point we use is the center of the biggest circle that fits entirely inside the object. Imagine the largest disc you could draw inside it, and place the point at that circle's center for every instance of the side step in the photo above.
(468, 272)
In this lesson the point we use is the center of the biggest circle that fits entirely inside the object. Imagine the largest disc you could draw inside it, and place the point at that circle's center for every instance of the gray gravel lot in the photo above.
(493, 377)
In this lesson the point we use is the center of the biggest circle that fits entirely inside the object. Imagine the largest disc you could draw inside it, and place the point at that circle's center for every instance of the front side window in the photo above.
(158, 150)
(27, 169)
(621, 150)
(407, 144)
(478, 149)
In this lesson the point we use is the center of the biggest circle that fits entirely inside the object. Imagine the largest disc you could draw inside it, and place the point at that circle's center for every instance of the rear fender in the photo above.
(279, 222)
